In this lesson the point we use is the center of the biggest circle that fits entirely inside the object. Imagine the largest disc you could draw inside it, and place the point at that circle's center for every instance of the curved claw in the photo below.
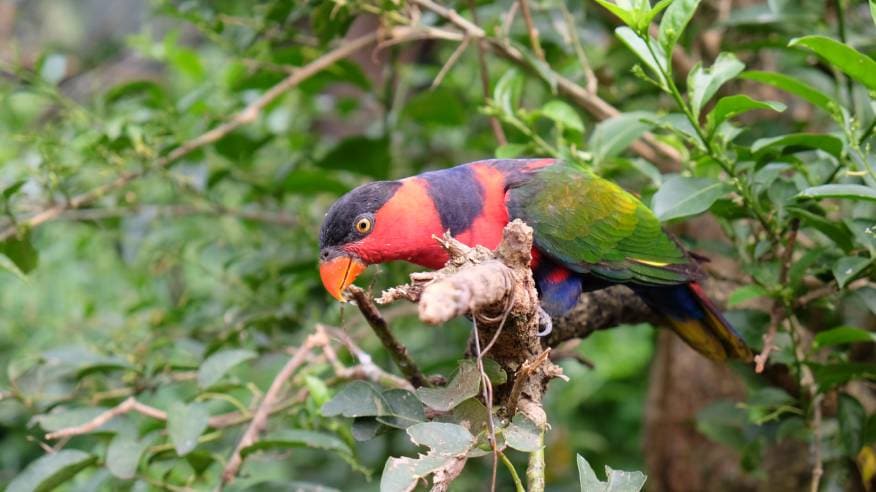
(545, 323)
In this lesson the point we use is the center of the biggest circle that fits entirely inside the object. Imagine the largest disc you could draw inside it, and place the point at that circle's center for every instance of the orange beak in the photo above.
(338, 273)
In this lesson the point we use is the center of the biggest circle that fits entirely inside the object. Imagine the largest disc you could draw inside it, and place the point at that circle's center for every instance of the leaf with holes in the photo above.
(446, 442)
(464, 385)
(616, 480)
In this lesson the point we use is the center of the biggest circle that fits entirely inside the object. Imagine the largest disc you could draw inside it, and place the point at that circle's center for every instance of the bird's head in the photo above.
(352, 234)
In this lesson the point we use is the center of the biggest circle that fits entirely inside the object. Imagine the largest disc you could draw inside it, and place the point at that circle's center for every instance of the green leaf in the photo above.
(645, 20)
(363, 155)
(22, 253)
(616, 480)
(506, 94)
(439, 107)
(745, 293)
(842, 335)
(185, 424)
(849, 191)
(624, 15)
(837, 232)
(356, 399)
(831, 375)
(867, 295)
(447, 443)
(798, 142)
(732, 106)
(494, 372)
(404, 409)
(851, 417)
(795, 87)
(464, 385)
(563, 114)
(219, 363)
(522, 434)
(51, 470)
(310, 182)
(298, 438)
(124, 452)
(848, 267)
(681, 196)
(674, 22)
(638, 46)
(614, 135)
(510, 150)
(873, 10)
(851, 61)
(702, 84)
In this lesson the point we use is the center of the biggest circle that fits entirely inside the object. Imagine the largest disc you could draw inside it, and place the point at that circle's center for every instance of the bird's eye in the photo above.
(363, 225)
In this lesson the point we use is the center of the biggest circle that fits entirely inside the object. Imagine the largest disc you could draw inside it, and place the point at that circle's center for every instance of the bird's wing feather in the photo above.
(592, 225)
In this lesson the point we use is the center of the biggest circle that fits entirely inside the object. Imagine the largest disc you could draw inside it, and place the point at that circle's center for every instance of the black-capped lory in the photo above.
(589, 233)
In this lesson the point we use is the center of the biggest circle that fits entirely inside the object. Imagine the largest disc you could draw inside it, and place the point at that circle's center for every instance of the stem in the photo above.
(718, 157)
(535, 470)
(518, 484)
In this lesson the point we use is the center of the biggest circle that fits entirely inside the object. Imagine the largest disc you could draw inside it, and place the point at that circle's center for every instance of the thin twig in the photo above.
(248, 115)
(520, 379)
(531, 29)
(776, 316)
(485, 78)
(450, 62)
(572, 33)
(779, 311)
(665, 156)
(95, 214)
(260, 417)
(397, 351)
(129, 405)
(366, 366)
(488, 399)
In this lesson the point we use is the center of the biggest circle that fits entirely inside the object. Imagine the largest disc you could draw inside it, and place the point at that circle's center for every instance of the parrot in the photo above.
(588, 233)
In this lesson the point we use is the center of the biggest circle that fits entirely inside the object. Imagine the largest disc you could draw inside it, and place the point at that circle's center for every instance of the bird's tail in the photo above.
(696, 320)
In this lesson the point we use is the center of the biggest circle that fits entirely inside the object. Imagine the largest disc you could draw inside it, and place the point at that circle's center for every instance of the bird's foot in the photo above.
(545, 323)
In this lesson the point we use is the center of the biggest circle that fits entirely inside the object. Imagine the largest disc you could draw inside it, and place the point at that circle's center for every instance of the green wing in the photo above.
(592, 225)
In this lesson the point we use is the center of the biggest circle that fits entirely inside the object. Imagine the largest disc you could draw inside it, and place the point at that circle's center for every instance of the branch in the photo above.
(531, 29)
(501, 139)
(260, 418)
(129, 405)
(248, 115)
(665, 156)
(397, 351)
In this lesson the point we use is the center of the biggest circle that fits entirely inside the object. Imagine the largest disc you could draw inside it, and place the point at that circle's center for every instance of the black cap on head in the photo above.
(339, 225)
